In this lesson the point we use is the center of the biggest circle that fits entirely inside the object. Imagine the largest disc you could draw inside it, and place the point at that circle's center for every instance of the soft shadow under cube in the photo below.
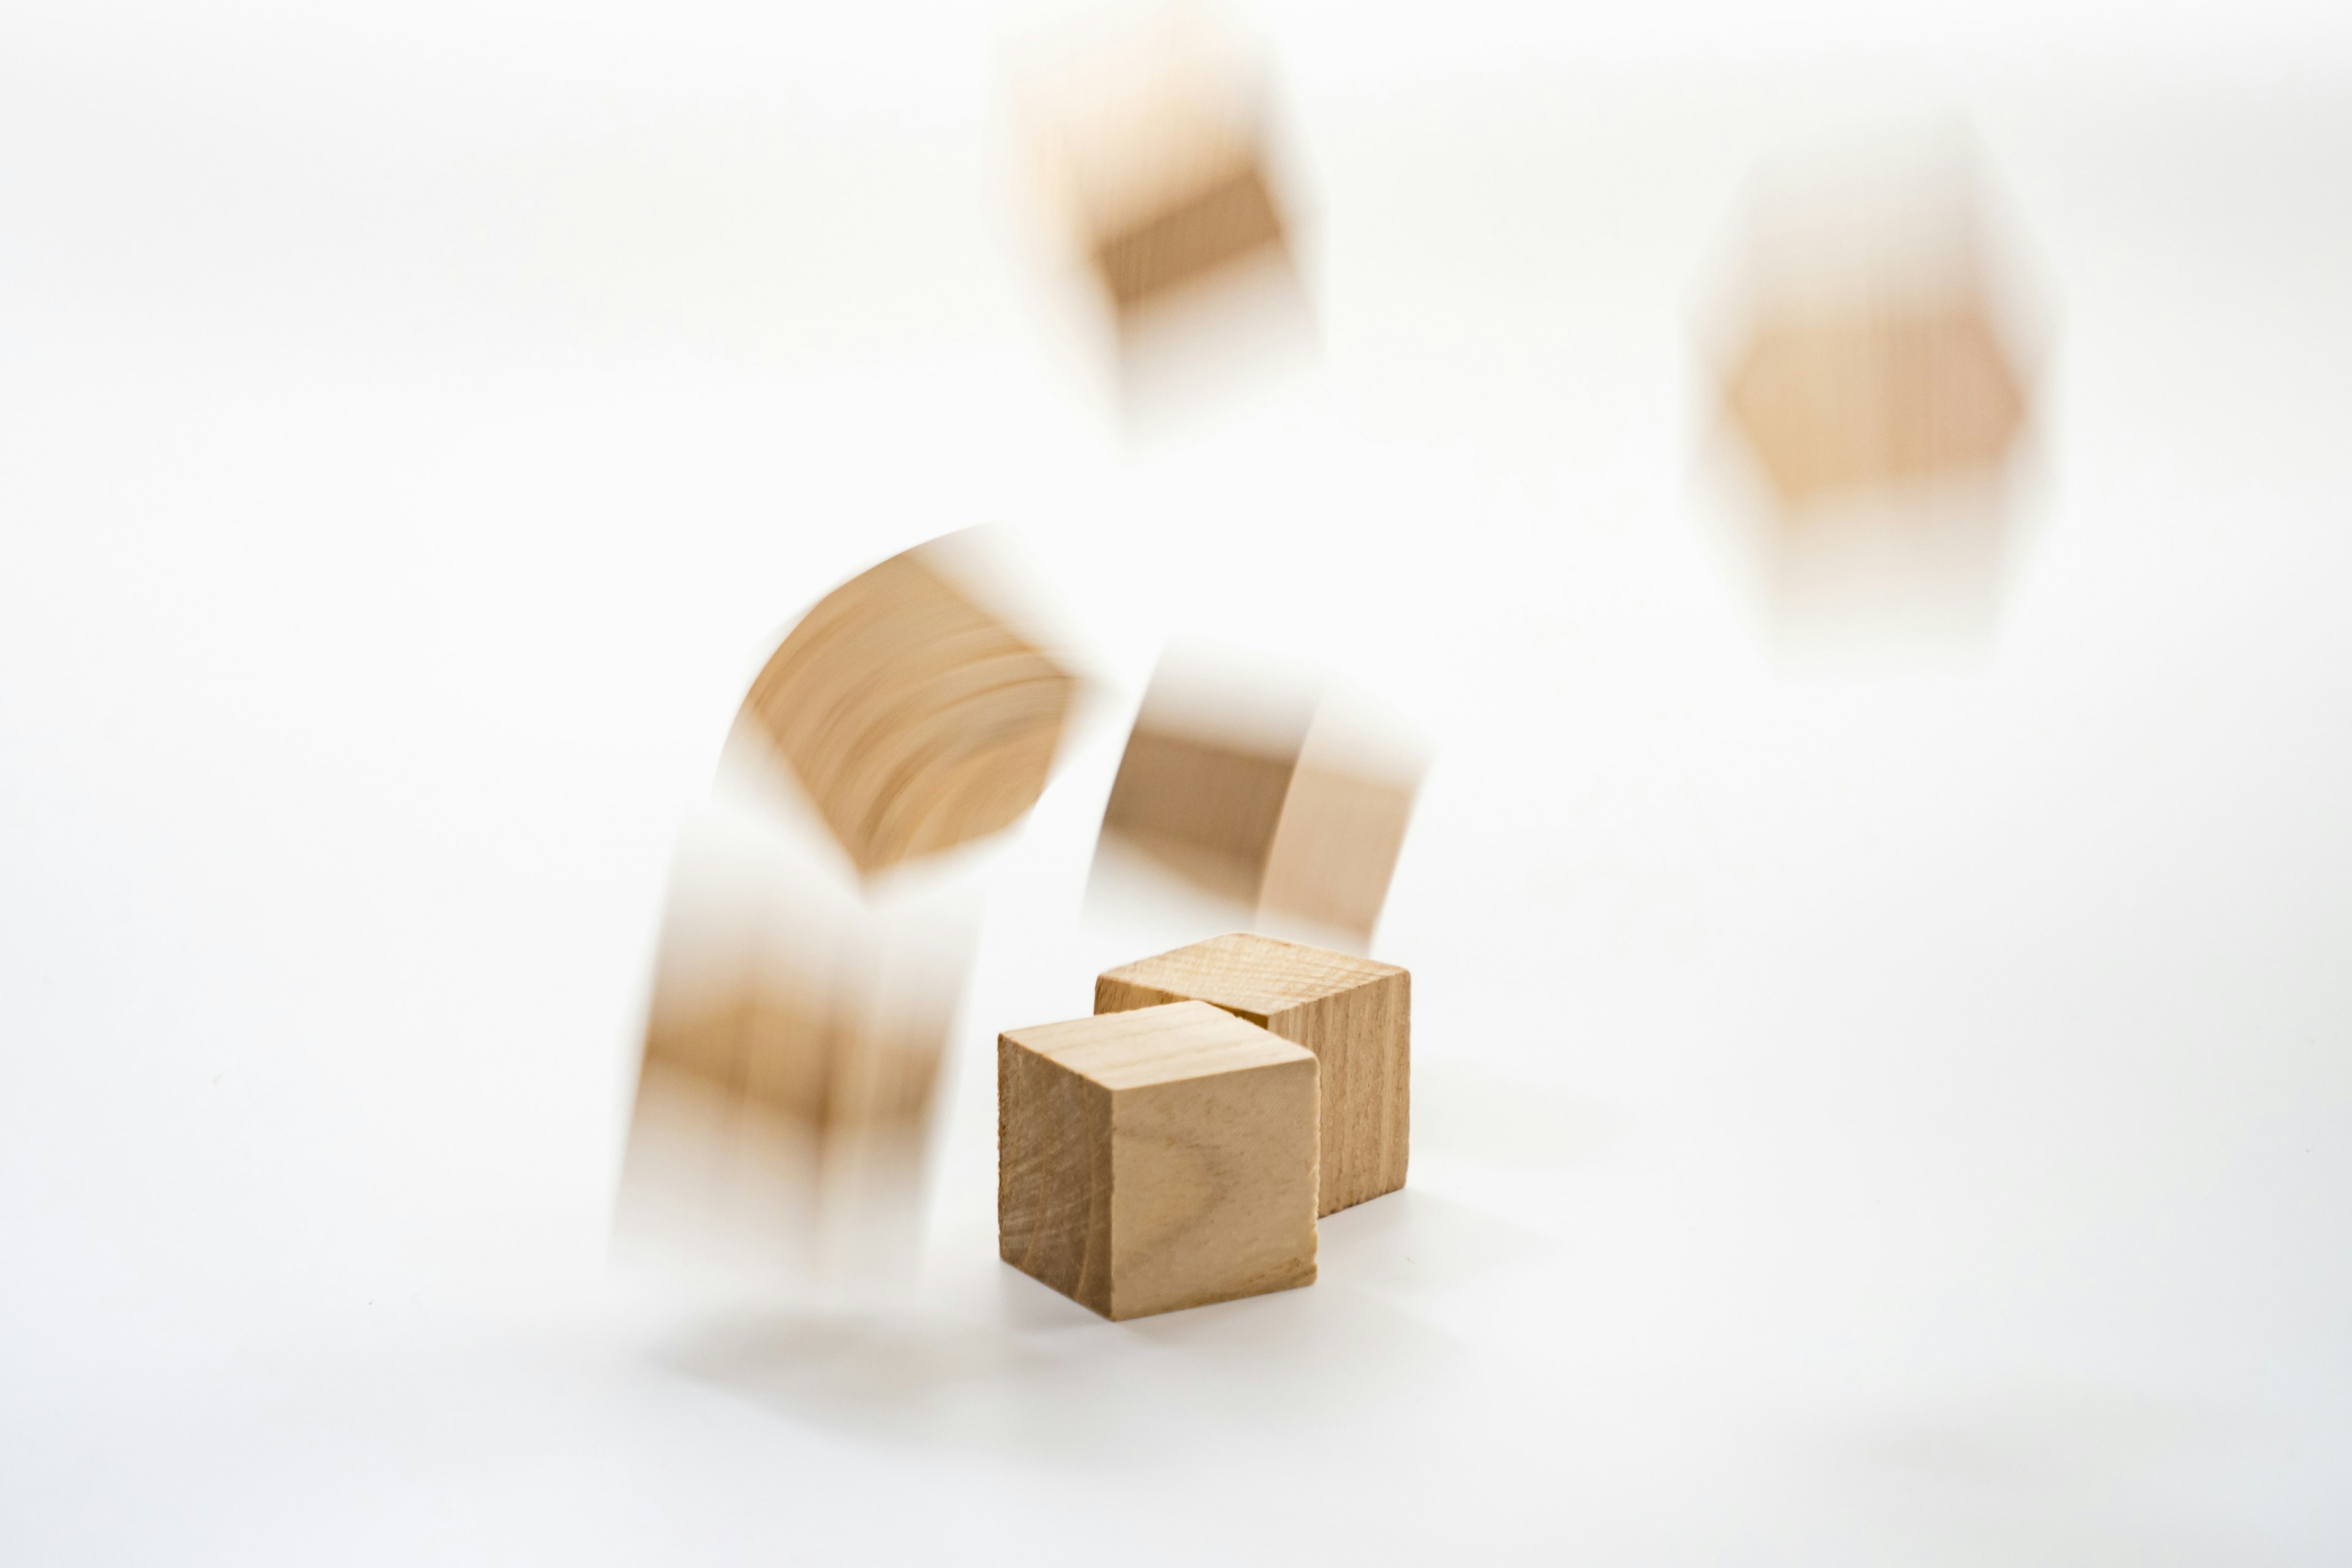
(1354, 1013)
(1158, 1159)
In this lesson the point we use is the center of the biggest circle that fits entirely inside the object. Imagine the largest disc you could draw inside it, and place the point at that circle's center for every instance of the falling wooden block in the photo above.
(1354, 1013)
(915, 717)
(1155, 139)
(1221, 213)
(1294, 805)
(1158, 1159)
(792, 1043)
(1876, 395)
(1870, 335)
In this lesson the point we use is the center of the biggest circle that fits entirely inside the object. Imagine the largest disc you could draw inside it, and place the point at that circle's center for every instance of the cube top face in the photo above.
(916, 719)
(1258, 976)
(1168, 1044)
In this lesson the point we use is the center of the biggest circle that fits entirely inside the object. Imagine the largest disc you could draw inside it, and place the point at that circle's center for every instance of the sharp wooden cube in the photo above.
(1354, 1013)
(1158, 1159)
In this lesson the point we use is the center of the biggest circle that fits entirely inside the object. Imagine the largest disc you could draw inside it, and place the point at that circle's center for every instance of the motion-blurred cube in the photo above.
(915, 716)
(1288, 802)
(1873, 351)
(1159, 1158)
(1875, 392)
(791, 1051)
(1168, 206)
(1354, 1013)
(1176, 218)
(1154, 134)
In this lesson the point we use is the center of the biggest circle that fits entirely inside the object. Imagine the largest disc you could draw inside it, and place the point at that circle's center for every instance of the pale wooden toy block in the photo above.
(1354, 1013)
(1876, 337)
(793, 1041)
(1228, 213)
(1155, 1159)
(915, 717)
(1299, 813)
(1158, 143)
(1876, 395)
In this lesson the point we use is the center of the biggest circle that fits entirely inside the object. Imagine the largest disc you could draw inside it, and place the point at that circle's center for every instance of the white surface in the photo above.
(1857, 1119)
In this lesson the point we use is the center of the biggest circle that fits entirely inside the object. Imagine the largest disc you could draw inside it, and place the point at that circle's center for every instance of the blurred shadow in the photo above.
(2046, 1472)
(1038, 1375)
(1465, 1112)
(1413, 1246)
(1075, 1387)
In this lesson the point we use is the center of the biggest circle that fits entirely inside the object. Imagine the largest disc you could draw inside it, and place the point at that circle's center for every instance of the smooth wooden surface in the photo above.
(915, 719)
(1354, 1013)
(1161, 1159)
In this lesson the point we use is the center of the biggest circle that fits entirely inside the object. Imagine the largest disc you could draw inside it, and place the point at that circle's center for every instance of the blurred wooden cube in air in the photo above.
(792, 1049)
(1262, 796)
(1873, 354)
(914, 708)
(1153, 138)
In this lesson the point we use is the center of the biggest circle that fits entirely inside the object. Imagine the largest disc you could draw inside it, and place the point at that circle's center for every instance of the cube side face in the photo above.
(1053, 1181)
(1364, 1038)
(1214, 1188)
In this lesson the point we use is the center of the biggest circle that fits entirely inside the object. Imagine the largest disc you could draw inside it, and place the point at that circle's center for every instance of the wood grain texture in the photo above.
(1353, 1013)
(1161, 1159)
(915, 719)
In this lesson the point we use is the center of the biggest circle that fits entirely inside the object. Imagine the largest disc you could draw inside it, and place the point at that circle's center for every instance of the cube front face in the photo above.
(1355, 1014)
(1214, 1188)
(1161, 1159)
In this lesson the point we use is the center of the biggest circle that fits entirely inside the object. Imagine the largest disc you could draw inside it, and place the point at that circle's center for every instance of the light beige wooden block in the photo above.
(1155, 139)
(1159, 1158)
(1290, 803)
(1874, 394)
(1354, 1013)
(1227, 213)
(793, 1042)
(916, 719)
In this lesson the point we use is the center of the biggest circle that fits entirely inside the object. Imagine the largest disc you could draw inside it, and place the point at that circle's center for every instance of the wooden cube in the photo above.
(1158, 1159)
(1293, 804)
(1874, 396)
(916, 719)
(793, 1042)
(1354, 1013)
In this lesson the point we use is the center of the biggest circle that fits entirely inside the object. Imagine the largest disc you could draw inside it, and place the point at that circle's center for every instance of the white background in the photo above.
(1860, 1117)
